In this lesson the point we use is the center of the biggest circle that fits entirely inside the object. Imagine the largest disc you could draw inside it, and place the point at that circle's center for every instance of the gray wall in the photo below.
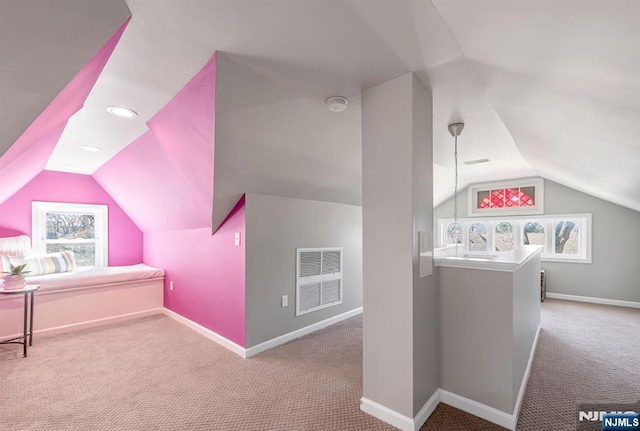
(614, 272)
(487, 332)
(400, 339)
(275, 136)
(275, 227)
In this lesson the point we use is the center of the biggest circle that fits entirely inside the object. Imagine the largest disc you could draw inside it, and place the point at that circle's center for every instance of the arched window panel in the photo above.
(566, 238)
(503, 237)
(454, 234)
(533, 234)
(478, 237)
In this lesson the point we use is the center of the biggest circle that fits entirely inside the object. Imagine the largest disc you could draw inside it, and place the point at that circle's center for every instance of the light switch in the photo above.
(285, 300)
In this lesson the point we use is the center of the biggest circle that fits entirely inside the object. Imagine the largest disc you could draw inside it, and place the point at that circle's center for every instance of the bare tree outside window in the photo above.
(68, 227)
(566, 238)
(454, 234)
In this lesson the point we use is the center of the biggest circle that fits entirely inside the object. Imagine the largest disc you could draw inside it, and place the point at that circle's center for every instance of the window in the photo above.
(565, 238)
(504, 239)
(478, 235)
(533, 234)
(319, 279)
(76, 227)
(512, 197)
(454, 234)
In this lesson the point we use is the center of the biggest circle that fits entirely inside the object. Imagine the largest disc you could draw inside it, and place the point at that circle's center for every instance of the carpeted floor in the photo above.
(155, 374)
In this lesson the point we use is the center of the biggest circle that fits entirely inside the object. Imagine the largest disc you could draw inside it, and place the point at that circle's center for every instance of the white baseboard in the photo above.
(224, 342)
(93, 323)
(247, 353)
(525, 378)
(478, 409)
(593, 300)
(274, 342)
(387, 415)
(426, 410)
(475, 408)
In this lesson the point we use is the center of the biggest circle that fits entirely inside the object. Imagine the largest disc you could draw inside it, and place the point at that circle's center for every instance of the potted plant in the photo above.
(15, 278)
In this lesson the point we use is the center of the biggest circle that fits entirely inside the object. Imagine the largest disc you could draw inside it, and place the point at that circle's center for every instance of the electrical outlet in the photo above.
(171, 285)
(285, 300)
(236, 239)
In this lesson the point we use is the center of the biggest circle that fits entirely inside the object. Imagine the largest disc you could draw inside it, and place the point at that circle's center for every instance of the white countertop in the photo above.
(509, 261)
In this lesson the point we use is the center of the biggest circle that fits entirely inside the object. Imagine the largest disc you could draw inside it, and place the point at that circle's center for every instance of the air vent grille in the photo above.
(319, 279)
(310, 263)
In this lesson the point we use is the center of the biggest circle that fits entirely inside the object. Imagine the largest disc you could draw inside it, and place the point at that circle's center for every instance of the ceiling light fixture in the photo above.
(455, 129)
(91, 148)
(337, 103)
(121, 111)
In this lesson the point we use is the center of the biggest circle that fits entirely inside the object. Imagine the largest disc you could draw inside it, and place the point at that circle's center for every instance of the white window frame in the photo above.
(538, 208)
(583, 221)
(39, 227)
(318, 279)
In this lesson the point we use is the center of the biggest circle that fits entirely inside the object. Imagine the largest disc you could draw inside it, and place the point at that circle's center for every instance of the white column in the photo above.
(400, 308)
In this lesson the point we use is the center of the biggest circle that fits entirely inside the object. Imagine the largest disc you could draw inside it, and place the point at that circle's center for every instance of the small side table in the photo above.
(27, 331)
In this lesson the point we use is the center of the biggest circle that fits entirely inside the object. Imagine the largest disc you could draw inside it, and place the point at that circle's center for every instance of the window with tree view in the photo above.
(71, 227)
(562, 238)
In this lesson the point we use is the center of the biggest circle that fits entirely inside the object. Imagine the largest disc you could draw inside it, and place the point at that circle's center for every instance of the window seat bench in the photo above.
(86, 298)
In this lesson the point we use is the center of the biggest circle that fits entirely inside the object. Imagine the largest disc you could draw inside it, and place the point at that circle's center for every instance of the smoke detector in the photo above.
(337, 103)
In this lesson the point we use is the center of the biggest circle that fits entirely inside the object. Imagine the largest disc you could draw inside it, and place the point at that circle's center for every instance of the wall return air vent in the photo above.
(318, 279)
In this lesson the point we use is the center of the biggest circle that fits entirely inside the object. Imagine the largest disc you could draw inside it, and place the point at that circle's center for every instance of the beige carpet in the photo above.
(155, 374)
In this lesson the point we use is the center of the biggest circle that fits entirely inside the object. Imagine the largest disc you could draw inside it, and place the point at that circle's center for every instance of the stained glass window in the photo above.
(506, 198)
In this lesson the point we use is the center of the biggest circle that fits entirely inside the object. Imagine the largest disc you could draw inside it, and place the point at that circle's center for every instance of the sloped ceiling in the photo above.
(544, 87)
(564, 77)
(29, 154)
(164, 179)
(43, 44)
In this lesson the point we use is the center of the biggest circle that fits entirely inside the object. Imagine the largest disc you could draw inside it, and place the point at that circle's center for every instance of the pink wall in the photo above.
(28, 156)
(164, 180)
(207, 272)
(125, 239)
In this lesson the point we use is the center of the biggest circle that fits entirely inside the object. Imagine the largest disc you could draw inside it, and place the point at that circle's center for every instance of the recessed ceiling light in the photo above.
(337, 103)
(90, 148)
(121, 111)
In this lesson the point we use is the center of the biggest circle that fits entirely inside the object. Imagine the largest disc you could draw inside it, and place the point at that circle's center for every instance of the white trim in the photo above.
(387, 415)
(208, 333)
(475, 408)
(525, 378)
(274, 342)
(269, 344)
(426, 410)
(101, 213)
(593, 300)
(478, 409)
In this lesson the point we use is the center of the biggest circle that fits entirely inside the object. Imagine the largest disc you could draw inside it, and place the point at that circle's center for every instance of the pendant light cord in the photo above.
(455, 198)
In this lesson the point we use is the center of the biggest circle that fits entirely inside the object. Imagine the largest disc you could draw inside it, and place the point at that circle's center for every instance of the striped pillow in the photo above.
(41, 265)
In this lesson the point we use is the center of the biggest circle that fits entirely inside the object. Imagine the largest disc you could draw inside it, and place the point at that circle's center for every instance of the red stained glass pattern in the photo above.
(506, 198)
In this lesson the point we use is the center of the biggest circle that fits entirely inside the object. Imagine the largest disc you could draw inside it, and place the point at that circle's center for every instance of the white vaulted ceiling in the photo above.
(544, 87)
